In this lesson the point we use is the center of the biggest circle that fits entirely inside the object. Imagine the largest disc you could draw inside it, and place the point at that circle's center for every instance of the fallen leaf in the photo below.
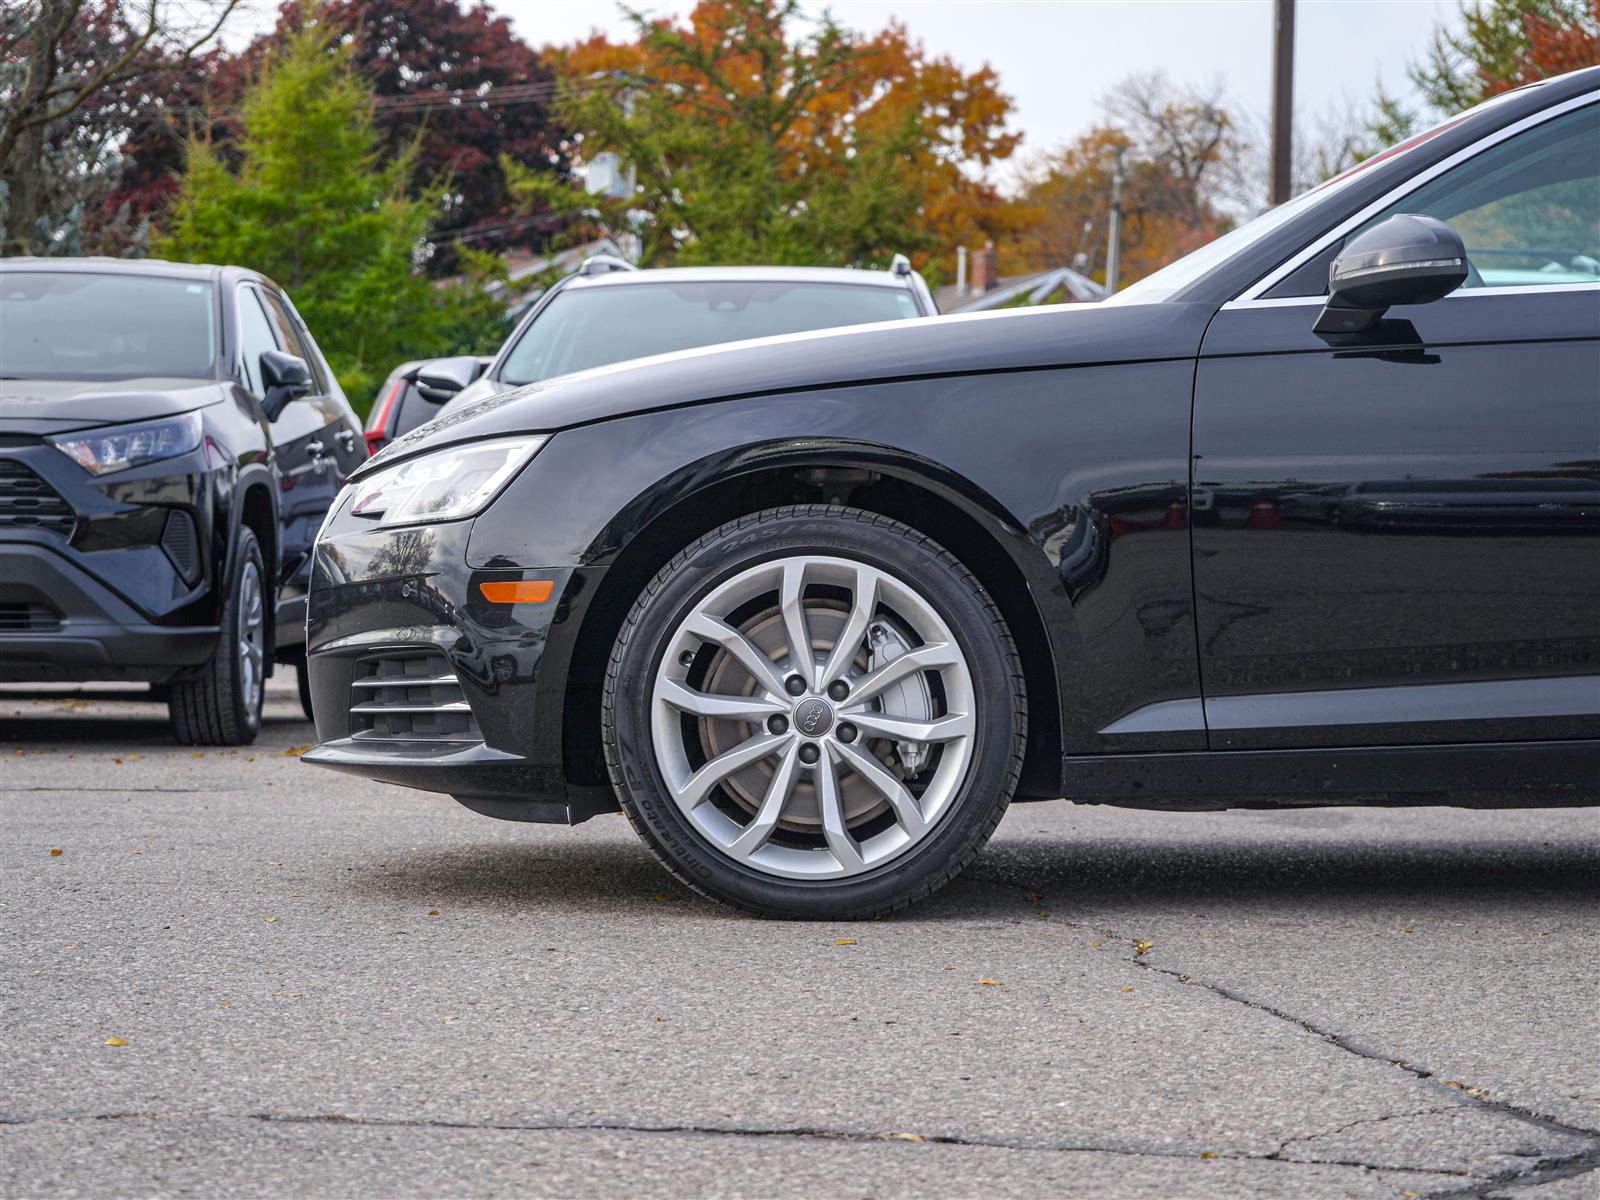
(433, 912)
(135, 851)
(1208, 1154)
(1095, 944)
(662, 899)
(1143, 947)
(116, 1041)
(55, 854)
(1477, 1093)
(270, 920)
(947, 967)
(1033, 897)
(990, 982)
(198, 754)
(1408, 1194)
(661, 1018)
(844, 941)
(224, 1004)
(118, 761)
(296, 751)
(289, 995)
(1125, 989)
(902, 1137)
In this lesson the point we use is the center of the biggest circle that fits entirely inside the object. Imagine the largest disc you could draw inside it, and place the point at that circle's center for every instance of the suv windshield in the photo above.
(81, 325)
(593, 327)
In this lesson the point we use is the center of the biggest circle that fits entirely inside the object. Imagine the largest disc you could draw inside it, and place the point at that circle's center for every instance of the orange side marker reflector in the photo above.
(524, 591)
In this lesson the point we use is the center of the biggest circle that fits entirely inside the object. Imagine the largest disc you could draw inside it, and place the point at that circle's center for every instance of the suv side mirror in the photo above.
(286, 377)
(1408, 259)
(440, 379)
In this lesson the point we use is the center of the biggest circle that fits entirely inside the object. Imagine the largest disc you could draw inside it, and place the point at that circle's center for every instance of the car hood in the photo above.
(1020, 339)
(54, 405)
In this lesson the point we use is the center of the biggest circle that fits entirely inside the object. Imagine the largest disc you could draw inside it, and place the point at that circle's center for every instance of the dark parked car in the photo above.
(814, 609)
(608, 311)
(170, 440)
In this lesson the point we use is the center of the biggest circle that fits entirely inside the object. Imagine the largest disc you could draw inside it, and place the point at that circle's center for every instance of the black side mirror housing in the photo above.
(1408, 259)
(440, 379)
(286, 378)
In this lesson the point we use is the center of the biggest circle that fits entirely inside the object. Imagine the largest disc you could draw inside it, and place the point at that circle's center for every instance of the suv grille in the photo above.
(410, 696)
(27, 618)
(29, 502)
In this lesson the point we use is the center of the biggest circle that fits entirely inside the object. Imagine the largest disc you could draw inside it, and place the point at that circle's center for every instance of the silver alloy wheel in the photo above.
(252, 644)
(773, 725)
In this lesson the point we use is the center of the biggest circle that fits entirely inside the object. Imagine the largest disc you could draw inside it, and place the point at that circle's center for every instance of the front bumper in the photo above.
(58, 623)
(418, 680)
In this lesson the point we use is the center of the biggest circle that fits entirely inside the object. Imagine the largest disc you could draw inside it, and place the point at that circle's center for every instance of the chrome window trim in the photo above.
(1521, 289)
(1251, 295)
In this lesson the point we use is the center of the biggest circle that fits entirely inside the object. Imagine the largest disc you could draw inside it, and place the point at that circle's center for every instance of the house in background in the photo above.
(989, 289)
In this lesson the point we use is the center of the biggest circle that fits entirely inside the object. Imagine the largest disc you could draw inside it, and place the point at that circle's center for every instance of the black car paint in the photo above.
(1058, 442)
(129, 611)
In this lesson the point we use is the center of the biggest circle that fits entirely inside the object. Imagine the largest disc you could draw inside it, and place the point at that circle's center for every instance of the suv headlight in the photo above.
(102, 451)
(456, 482)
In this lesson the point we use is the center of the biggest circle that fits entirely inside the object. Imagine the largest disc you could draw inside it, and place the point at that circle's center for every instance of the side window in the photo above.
(1528, 209)
(289, 334)
(255, 338)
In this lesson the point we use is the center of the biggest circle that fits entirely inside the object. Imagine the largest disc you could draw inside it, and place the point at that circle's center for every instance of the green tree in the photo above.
(312, 205)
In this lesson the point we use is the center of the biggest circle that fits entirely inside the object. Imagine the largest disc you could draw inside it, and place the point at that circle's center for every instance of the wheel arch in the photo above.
(953, 511)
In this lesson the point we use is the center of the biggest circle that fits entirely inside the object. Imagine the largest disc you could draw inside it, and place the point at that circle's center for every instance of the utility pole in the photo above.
(1282, 99)
(1114, 246)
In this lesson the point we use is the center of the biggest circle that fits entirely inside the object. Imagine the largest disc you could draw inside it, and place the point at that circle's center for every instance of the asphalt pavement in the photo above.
(228, 973)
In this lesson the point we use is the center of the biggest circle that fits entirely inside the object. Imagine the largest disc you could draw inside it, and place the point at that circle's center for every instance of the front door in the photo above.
(1397, 534)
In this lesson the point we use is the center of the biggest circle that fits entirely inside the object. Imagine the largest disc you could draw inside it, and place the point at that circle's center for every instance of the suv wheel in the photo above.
(221, 705)
(814, 712)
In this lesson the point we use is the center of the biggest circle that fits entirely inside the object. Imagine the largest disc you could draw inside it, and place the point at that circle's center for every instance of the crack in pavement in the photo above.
(1546, 1168)
(801, 1132)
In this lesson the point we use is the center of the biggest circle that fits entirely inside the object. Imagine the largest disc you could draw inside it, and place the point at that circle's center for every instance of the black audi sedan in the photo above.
(170, 441)
(813, 610)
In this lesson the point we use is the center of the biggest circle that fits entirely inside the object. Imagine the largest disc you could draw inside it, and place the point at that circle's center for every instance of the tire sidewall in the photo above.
(247, 716)
(917, 563)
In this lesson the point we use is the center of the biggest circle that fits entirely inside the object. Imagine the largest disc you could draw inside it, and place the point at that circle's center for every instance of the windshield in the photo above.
(1174, 277)
(79, 325)
(593, 327)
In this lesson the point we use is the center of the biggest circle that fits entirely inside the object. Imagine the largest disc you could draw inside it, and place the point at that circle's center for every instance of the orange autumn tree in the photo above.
(756, 134)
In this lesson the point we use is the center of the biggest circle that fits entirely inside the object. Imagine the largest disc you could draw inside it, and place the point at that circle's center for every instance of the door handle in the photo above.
(314, 448)
(347, 438)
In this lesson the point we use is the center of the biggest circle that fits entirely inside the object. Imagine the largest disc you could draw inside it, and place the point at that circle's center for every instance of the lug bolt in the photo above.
(838, 690)
(778, 724)
(686, 658)
(847, 732)
(809, 753)
(794, 685)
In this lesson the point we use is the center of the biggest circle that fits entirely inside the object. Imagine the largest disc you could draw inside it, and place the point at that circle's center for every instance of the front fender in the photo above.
(1079, 474)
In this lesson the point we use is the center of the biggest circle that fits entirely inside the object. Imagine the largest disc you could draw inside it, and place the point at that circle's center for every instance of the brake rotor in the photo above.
(825, 620)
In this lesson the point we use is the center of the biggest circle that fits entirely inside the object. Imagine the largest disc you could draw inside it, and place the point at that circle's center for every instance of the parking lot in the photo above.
(332, 987)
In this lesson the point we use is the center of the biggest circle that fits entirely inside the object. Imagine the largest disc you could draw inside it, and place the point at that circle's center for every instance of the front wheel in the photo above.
(221, 705)
(815, 712)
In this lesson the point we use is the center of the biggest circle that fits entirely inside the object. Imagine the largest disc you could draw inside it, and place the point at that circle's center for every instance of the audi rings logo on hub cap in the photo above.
(813, 716)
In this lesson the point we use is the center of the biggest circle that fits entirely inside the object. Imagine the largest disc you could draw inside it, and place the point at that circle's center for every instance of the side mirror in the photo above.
(1408, 259)
(441, 378)
(286, 378)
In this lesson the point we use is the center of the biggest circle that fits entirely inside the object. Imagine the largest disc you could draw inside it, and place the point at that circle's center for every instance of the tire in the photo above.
(221, 705)
(302, 679)
(825, 784)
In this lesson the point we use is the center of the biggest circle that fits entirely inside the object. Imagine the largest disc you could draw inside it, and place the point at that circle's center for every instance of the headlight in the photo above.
(102, 451)
(443, 486)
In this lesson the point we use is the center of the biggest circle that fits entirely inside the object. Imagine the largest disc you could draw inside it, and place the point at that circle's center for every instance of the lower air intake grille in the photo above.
(27, 501)
(182, 546)
(409, 696)
(27, 618)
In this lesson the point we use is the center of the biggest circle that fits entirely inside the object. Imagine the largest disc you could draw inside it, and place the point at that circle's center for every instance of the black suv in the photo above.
(170, 440)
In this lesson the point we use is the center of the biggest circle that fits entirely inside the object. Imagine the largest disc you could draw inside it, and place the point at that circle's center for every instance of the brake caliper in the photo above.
(908, 699)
